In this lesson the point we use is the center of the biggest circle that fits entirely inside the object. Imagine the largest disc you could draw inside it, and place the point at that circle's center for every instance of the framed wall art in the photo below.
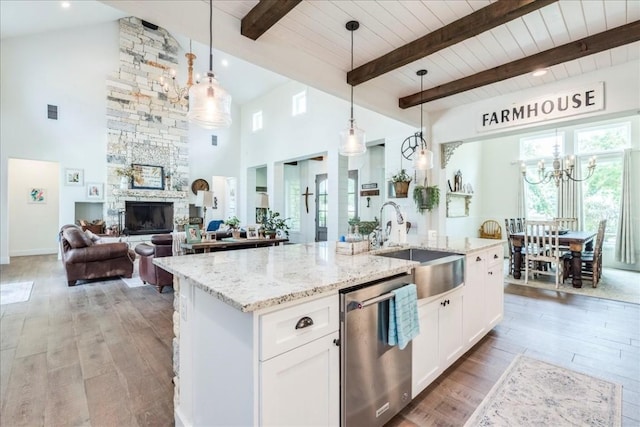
(95, 190)
(192, 233)
(73, 176)
(37, 195)
(147, 177)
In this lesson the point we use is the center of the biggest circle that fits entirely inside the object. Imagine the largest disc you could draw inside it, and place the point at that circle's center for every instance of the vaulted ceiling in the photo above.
(309, 43)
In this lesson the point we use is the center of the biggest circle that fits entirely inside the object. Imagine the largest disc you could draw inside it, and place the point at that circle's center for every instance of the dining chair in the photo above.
(509, 228)
(591, 268)
(542, 249)
(567, 223)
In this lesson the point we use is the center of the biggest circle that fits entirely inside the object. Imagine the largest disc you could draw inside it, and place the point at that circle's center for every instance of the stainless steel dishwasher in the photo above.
(375, 377)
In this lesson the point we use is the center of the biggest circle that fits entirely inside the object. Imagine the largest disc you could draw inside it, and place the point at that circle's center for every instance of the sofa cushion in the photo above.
(76, 237)
(91, 235)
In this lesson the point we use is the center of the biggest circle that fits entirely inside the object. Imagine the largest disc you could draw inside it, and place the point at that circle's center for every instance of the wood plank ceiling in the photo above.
(317, 27)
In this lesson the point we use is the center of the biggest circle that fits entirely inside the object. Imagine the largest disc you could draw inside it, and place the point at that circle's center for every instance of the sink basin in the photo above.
(420, 255)
(438, 271)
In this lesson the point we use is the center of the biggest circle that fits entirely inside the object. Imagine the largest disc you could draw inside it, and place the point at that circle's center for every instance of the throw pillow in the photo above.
(91, 235)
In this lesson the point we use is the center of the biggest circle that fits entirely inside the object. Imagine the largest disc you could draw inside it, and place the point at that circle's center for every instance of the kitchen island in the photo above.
(239, 358)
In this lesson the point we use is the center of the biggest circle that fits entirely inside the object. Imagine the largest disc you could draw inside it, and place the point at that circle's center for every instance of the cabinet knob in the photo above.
(304, 322)
(478, 259)
(445, 302)
(337, 342)
(491, 273)
(495, 256)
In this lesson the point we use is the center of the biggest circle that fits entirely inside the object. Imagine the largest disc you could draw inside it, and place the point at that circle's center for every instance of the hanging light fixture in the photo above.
(559, 173)
(209, 103)
(352, 139)
(415, 146)
(175, 93)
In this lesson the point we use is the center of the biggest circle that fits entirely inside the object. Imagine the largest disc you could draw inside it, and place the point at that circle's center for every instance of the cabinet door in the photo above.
(450, 328)
(302, 386)
(475, 319)
(494, 297)
(425, 362)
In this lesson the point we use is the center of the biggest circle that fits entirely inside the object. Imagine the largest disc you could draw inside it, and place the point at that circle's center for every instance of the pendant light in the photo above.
(424, 157)
(352, 139)
(209, 103)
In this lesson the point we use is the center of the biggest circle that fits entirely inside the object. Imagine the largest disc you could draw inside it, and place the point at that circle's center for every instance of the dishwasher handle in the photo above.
(374, 300)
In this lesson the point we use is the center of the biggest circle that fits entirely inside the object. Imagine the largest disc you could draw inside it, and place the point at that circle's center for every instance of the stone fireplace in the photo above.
(143, 125)
(148, 217)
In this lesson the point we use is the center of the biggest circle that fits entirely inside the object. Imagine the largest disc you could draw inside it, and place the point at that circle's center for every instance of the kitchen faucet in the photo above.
(380, 235)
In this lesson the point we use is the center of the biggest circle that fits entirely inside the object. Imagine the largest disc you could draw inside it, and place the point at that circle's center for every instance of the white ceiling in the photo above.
(311, 45)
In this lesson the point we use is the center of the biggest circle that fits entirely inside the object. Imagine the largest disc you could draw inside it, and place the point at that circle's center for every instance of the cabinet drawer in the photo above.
(291, 327)
(494, 255)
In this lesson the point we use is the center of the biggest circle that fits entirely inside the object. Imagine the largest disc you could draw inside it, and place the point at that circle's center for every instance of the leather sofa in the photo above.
(161, 245)
(84, 259)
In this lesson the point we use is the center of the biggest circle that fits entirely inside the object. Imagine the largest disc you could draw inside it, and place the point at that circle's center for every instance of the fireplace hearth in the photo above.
(148, 217)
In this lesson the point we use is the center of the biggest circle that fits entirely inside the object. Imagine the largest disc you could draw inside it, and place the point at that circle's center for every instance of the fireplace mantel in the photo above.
(148, 194)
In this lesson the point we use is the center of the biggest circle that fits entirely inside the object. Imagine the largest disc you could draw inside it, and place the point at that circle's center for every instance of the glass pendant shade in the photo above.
(209, 104)
(423, 160)
(352, 140)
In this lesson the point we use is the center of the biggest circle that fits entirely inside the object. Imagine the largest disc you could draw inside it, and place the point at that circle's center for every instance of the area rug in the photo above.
(11, 293)
(536, 393)
(625, 291)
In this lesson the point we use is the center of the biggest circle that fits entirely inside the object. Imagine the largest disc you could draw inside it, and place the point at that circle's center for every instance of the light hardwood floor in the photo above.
(100, 353)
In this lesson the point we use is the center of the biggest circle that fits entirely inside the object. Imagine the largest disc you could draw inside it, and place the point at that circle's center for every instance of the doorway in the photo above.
(322, 208)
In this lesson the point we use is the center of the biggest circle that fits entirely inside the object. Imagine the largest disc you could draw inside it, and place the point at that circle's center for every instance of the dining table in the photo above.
(576, 241)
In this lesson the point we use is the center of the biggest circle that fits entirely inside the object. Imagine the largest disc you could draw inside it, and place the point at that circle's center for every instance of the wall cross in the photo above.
(306, 195)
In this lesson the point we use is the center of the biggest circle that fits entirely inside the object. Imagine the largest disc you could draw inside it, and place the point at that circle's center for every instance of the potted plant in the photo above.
(426, 197)
(273, 222)
(401, 182)
(126, 175)
(234, 224)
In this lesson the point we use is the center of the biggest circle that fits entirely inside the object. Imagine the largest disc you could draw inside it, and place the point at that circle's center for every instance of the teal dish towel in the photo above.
(403, 316)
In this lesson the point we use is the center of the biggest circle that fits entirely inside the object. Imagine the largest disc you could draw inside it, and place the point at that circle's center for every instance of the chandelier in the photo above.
(415, 144)
(563, 169)
(175, 93)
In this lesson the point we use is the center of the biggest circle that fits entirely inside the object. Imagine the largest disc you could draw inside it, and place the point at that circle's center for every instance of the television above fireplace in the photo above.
(148, 217)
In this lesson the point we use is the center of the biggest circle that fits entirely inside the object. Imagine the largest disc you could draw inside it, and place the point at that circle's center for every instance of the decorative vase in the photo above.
(402, 188)
(235, 233)
(124, 183)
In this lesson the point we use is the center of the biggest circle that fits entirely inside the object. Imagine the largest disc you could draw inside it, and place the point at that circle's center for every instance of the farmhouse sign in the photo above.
(581, 100)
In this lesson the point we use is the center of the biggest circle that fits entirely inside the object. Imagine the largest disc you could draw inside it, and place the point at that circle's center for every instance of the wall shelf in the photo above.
(458, 204)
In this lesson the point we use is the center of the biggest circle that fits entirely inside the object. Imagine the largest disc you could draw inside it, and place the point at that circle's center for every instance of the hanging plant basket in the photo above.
(402, 189)
(426, 198)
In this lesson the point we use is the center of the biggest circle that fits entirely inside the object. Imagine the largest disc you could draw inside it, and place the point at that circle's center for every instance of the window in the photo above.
(292, 192)
(299, 103)
(257, 121)
(541, 199)
(601, 193)
(352, 194)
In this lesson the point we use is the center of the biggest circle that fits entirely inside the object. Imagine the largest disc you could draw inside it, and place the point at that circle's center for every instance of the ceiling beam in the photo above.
(606, 40)
(471, 25)
(264, 15)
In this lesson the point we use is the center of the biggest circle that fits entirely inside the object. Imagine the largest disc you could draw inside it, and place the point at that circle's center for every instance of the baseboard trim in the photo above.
(4, 260)
(40, 251)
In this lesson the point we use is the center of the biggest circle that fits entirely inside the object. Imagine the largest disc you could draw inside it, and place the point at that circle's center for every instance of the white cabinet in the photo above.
(484, 293)
(273, 367)
(440, 341)
(302, 387)
(300, 367)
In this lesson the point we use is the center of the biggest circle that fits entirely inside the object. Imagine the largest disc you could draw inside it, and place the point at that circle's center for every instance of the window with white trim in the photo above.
(257, 121)
(299, 103)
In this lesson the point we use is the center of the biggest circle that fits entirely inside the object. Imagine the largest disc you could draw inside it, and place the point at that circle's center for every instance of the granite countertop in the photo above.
(252, 279)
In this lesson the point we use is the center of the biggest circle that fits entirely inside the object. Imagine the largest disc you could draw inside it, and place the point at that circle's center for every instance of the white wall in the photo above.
(622, 96)
(34, 226)
(69, 69)
(284, 137)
